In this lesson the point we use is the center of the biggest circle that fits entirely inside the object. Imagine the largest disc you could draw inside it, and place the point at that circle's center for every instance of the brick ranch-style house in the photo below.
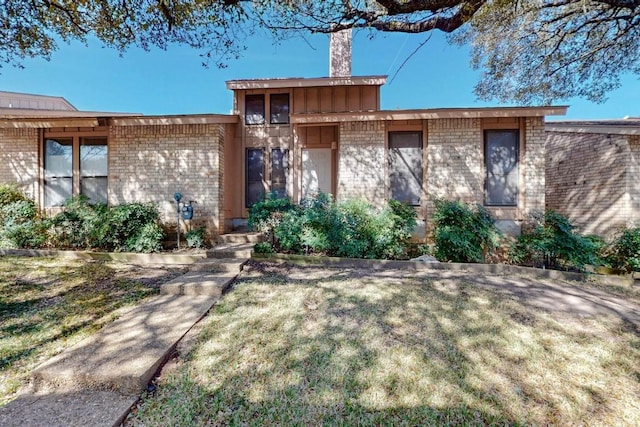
(593, 173)
(291, 136)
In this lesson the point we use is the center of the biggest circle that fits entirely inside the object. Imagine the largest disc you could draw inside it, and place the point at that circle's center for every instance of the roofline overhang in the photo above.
(429, 114)
(606, 129)
(123, 120)
(298, 82)
(19, 113)
(186, 119)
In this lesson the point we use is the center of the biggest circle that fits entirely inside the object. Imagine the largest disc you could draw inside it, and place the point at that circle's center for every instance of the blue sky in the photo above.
(174, 81)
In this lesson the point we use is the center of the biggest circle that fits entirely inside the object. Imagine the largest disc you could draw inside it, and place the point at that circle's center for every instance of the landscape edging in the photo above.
(376, 264)
(127, 257)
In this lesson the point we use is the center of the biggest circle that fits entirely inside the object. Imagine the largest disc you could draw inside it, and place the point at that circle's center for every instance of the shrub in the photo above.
(124, 223)
(32, 234)
(19, 211)
(349, 229)
(80, 224)
(147, 239)
(10, 193)
(261, 214)
(263, 248)
(553, 243)
(196, 237)
(625, 250)
(463, 233)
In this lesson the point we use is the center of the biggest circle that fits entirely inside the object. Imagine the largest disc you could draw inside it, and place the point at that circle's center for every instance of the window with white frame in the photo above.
(72, 161)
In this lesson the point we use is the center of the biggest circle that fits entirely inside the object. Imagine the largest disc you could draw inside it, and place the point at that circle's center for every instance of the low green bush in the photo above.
(261, 214)
(10, 193)
(348, 229)
(147, 239)
(80, 225)
(553, 243)
(624, 253)
(124, 223)
(32, 234)
(462, 232)
(196, 237)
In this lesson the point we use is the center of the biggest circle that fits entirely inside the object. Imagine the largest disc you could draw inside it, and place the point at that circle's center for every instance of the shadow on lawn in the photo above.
(310, 346)
(38, 311)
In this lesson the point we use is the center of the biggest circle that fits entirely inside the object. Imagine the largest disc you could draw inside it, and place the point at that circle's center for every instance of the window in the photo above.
(255, 176)
(405, 166)
(254, 109)
(501, 159)
(58, 171)
(93, 169)
(75, 166)
(279, 107)
(279, 168)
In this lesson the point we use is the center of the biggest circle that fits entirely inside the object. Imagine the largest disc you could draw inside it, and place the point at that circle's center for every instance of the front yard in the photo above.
(312, 346)
(47, 305)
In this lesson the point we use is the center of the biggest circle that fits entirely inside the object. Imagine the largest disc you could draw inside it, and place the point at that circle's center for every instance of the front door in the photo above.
(317, 171)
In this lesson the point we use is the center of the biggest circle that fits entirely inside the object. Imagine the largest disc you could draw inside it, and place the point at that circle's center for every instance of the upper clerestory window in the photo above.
(254, 109)
(279, 108)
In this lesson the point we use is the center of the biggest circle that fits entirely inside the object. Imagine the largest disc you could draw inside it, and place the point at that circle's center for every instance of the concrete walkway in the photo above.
(97, 381)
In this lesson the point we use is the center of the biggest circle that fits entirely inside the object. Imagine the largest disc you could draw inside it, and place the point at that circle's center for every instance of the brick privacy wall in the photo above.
(533, 167)
(586, 179)
(455, 161)
(19, 159)
(362, 167)
(151, 163)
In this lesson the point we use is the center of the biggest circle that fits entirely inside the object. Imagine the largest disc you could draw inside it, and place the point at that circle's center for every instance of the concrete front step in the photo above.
(231, 250)
(198, 283)
(124, 355)
(244, 237)
(219, 265)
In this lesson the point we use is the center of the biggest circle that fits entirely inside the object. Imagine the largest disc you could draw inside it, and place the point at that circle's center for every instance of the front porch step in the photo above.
(218, 265)
(198, 283)
(241, 237)
(231, 250)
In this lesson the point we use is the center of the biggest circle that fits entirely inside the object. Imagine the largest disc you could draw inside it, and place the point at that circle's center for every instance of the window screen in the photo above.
(405, 166)
(58, 171)
(255, 176)
(501, 159)
(254, 109)
(279, 106)
(279, 168)
(93, 169)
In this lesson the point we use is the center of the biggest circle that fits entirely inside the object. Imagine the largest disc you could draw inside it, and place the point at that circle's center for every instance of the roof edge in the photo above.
(293, 82)
(436, 113)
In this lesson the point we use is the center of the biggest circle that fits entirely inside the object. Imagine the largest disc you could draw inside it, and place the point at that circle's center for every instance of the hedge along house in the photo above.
(291, 136)
(593, 173)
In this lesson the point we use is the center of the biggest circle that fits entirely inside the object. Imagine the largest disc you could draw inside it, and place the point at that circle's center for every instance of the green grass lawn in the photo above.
(49, 304)
(310, 346)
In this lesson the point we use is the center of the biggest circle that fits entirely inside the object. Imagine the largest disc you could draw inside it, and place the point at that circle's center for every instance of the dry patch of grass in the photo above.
(304, 346)
(49, 304)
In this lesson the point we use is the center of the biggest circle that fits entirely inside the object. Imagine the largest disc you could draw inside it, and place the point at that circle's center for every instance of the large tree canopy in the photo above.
(529, 51)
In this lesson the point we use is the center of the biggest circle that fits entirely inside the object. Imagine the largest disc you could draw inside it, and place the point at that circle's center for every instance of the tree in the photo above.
(530, 51)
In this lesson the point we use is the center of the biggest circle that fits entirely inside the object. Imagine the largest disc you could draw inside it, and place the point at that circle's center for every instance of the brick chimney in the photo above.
(340, 54)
